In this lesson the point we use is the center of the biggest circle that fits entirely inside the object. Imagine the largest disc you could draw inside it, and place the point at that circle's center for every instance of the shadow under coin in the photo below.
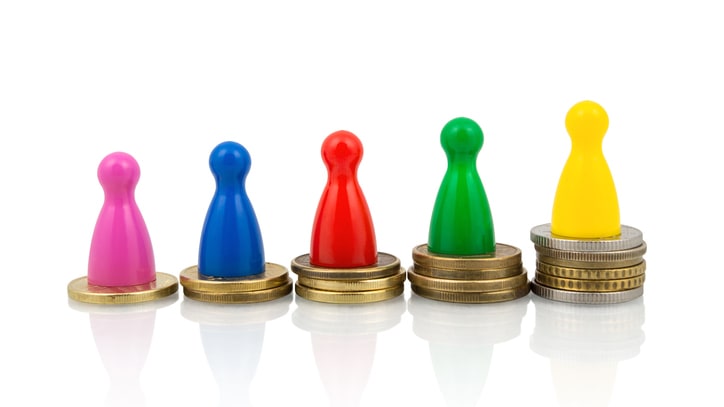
(461, 339)
(344, 337)
(123, 333)
(232, 336)
(585, 344)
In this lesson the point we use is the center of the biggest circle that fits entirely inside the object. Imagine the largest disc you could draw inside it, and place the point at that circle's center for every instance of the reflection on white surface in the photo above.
(344, 337)
(232, 336)
(585, 344)
(122, 334)
(461, 339)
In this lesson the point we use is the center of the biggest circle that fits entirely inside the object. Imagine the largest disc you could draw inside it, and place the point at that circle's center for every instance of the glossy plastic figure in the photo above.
(121, 253)
(461, 222)
(586, 204)
(343, 235)
(231, 244)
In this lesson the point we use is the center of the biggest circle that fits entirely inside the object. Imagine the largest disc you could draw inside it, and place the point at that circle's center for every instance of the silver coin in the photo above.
(585, 297)
(596, 257)
(629, 238)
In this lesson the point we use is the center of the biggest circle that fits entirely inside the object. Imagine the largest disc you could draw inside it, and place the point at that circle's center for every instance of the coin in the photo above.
(472, 298)
(467, 286)
(571, 284)
(593, 265)
(596, 257)
(591, 274)
(359, 297)
(628, 239)
(164, 285)
(505, 256)
(579, 297)
(354, 285)
(247, 297)
(387, 265)
(273, 275)
(483, 274)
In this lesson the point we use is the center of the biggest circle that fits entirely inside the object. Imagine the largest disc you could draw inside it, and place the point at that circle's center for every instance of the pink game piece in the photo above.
(121, 253)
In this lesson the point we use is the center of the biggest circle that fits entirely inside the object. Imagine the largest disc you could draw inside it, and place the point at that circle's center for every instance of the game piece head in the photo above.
(229, 160)
(341, 151)
(461, 136)
(118, 172)
(587, 123)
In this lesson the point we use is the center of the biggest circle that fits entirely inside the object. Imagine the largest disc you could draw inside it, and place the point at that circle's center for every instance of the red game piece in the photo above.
(343, 235)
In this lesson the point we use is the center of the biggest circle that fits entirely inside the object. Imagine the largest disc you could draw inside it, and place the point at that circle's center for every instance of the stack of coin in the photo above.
(380, 281)
(269, 285)
(589, 271)
(499, 276)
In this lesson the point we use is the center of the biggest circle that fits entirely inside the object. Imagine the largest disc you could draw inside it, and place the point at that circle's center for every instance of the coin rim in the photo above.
(588, 264)
(386, 266)
(79, 290)
(359, 297)
(421, 255)
(573, 284)
(245, 297)
(629, 238)
(594, 257)
(347, 285)
(590, 274)
(273, 275)
(483, 274)
(466, 286)
(472, 298)
(588, 298)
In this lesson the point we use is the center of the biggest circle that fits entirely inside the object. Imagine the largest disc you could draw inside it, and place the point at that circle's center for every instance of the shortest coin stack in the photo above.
(273, 283)
(589, 271)
(496, 277)
(378, 282)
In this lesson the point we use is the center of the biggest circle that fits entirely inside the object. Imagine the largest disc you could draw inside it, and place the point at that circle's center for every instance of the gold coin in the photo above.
(483, 274)
(468, 286)
(359, 297)
(598, 286)
(247, 297)
(505, 256)
(354, 285)
(596, 257)
(591, 274)
(473, 298)
(164, 285)
(273, 275)
(593, 265)
(387, 265)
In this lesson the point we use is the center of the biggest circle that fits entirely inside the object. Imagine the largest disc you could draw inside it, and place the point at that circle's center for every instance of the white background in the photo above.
(167, 80)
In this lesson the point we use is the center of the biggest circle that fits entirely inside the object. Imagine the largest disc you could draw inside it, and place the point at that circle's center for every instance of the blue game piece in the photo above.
(231, 244)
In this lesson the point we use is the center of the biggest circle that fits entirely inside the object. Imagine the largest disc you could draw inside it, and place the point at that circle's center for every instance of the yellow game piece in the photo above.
(586, 204)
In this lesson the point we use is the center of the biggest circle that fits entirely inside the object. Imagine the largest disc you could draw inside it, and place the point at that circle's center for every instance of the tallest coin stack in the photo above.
(603, 271)
(585, 255)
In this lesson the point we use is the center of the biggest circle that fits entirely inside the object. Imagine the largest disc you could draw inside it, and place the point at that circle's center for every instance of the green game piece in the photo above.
(461, 222)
